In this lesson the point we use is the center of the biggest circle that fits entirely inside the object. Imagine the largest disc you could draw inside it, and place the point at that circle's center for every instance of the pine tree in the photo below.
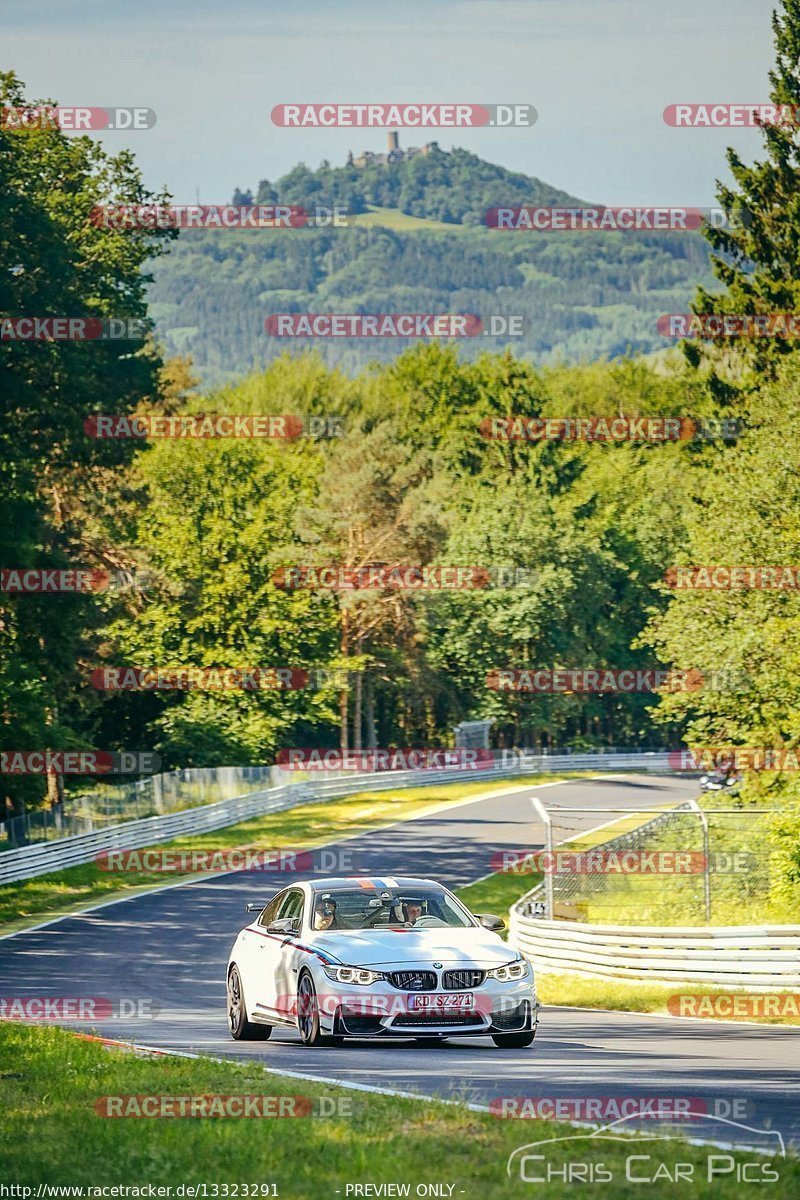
(757, 253)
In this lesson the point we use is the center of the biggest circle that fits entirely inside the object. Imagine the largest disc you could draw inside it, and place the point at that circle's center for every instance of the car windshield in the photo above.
(390, 908)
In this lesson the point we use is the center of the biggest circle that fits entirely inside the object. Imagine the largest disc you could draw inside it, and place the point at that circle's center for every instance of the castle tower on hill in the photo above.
(393, 153)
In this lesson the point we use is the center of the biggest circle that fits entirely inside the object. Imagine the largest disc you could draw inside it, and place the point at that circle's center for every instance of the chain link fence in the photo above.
(698, 862)
(113, 803)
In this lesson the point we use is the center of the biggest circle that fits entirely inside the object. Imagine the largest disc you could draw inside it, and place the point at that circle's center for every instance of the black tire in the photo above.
(514, 1041)
(308, 1025)
(241, 1028)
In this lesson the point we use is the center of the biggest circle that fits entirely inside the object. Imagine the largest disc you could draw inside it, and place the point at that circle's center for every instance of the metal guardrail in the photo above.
(738, 955)
(27, 862)
(191, 787)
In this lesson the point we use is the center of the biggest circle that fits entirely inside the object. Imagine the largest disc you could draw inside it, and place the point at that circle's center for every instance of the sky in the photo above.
(599, 73)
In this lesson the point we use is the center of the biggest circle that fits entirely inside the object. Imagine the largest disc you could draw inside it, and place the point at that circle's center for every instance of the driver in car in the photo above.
(412, 911)
(325, 913)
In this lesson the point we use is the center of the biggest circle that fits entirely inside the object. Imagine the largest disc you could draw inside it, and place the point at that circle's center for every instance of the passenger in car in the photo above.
(325, 914)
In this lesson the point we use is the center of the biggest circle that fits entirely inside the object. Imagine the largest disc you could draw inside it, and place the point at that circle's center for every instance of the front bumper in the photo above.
(384, 1011)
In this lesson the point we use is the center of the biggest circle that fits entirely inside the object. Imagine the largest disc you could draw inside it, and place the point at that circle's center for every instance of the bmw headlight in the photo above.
(352, 974)
(518, 969)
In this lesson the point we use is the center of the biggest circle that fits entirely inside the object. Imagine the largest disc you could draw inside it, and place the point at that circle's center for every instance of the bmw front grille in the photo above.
(413, 981)
(459, 981)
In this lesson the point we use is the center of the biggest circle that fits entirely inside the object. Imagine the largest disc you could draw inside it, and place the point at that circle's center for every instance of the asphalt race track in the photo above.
(170, 947)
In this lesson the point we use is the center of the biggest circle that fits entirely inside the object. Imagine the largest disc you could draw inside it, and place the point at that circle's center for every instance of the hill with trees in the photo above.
(581, 296)
(454, 187)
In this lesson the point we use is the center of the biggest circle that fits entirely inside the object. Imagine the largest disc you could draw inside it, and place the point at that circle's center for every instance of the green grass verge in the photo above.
(634, 995)
(51, 1133)
(305, 827)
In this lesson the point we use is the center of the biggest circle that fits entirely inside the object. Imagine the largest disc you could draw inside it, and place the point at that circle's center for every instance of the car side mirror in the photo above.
(288, 926)
(490, 921)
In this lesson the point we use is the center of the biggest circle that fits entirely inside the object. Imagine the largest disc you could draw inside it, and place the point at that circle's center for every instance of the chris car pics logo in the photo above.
(623, 1153)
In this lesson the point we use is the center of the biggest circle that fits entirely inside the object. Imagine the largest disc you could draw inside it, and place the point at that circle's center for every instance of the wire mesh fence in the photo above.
(695, 863)
(112, 803)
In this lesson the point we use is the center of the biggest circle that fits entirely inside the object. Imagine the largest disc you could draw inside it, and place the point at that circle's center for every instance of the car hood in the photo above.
(405, 947)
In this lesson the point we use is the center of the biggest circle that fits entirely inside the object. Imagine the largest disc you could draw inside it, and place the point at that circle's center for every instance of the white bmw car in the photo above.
(365, 957)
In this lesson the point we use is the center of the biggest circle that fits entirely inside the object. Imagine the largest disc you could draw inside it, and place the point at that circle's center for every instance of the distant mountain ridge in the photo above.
(418, 243)
(454, 187)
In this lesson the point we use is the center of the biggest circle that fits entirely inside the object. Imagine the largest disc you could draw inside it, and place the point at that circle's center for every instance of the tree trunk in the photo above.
(357, 710)
(344, 646)
(372, 735)
(55, 791)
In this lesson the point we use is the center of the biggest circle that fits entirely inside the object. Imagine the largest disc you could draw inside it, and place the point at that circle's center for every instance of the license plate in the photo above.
(442, 1001)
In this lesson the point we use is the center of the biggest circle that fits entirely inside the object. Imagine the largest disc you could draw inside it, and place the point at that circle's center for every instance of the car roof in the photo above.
(371, 881)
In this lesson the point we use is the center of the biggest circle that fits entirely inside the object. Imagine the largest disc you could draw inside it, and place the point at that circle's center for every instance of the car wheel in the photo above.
(514, 1041)
(308, 1015)
(242, 1029)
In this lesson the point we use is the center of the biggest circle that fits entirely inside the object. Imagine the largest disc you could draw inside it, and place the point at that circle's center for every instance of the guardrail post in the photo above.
(546, 820)
(706, 858)
(158, 795)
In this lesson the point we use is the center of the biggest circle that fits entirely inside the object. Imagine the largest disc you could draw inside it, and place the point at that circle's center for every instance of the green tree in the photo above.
(55, 261)
(757, 253)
